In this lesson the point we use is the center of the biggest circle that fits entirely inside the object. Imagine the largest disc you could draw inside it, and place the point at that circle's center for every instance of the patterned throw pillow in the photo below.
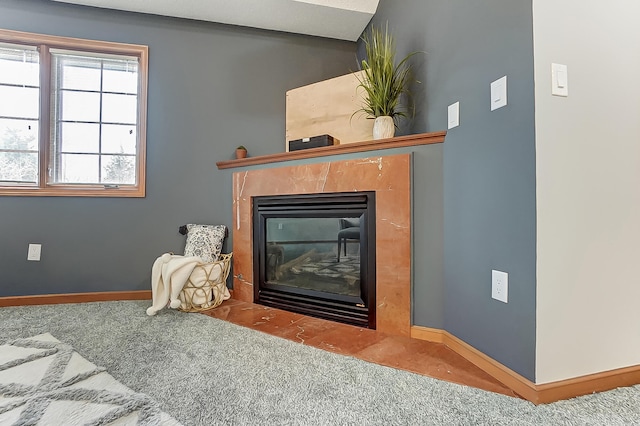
(205, 241)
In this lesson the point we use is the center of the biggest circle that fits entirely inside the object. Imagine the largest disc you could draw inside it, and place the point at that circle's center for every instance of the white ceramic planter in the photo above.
(383, 128)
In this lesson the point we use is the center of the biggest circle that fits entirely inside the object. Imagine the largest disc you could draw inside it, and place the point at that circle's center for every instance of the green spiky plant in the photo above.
(383, 81)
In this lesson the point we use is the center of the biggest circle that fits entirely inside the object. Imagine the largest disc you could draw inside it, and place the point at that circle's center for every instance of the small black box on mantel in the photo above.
(313, 142)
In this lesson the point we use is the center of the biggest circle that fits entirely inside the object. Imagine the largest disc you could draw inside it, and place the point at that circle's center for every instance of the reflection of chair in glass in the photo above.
(275, 256)
(349, 230)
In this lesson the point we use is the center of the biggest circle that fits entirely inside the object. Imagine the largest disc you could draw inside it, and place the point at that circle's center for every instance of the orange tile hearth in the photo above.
(404, 353)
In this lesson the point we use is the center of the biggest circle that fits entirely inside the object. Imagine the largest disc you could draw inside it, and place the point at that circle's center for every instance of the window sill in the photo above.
(72, 192)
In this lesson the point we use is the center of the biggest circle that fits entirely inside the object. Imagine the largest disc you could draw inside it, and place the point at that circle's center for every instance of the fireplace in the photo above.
(388, 176)
(315, 254)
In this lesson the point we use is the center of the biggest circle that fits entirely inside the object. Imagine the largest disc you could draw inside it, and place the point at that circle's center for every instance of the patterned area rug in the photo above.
(45, 382)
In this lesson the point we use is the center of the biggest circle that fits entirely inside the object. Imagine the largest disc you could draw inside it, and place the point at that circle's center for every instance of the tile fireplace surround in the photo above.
(389, 176)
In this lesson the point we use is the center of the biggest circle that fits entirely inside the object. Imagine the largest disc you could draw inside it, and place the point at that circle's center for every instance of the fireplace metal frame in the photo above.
(359, 311)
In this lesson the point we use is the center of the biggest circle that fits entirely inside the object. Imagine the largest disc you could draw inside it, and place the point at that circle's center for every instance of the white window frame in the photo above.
(43, 187)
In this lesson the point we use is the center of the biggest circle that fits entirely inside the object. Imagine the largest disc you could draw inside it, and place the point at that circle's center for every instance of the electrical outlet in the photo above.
(34, 252)
(500, 286)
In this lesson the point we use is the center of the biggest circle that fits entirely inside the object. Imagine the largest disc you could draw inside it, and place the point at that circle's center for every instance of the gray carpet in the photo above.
(203, 371)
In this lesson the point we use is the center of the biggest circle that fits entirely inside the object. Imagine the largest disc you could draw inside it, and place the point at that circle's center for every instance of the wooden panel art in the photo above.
(328, 107)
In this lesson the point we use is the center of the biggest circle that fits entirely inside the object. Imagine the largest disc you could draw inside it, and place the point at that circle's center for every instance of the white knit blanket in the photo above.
(45, 382)
(169, 274)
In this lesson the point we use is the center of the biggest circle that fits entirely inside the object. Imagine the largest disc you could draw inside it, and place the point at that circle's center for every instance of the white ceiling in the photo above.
(339, 19)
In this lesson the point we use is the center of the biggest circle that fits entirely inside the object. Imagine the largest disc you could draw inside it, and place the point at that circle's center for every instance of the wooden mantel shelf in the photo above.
(399, 142)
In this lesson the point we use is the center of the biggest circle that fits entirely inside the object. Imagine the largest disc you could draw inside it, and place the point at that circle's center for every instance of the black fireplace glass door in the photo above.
(315, 254)
(320, 254)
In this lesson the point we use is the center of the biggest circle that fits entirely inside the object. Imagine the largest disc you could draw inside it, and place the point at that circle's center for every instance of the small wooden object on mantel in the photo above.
(241, 152)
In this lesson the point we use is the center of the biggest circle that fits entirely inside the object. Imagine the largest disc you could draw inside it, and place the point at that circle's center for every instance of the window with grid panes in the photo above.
(72, 116)
(19, 114)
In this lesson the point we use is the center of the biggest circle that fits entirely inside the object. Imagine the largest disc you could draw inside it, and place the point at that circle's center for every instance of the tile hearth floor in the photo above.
(418, 356)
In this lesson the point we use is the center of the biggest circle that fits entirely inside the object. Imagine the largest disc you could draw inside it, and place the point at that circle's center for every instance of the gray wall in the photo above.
(488, 168)
(211, 87)
(206, 97)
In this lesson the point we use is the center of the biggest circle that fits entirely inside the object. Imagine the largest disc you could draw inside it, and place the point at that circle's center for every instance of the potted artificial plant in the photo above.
(241, 152)
(383, 81)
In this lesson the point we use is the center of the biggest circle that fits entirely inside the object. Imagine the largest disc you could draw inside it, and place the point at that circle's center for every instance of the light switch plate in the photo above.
(453, 114)
(499, 93)
(559, 80)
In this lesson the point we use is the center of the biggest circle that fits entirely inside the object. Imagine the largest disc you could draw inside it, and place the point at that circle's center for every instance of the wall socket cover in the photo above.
(34, 252)
(500, 286)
